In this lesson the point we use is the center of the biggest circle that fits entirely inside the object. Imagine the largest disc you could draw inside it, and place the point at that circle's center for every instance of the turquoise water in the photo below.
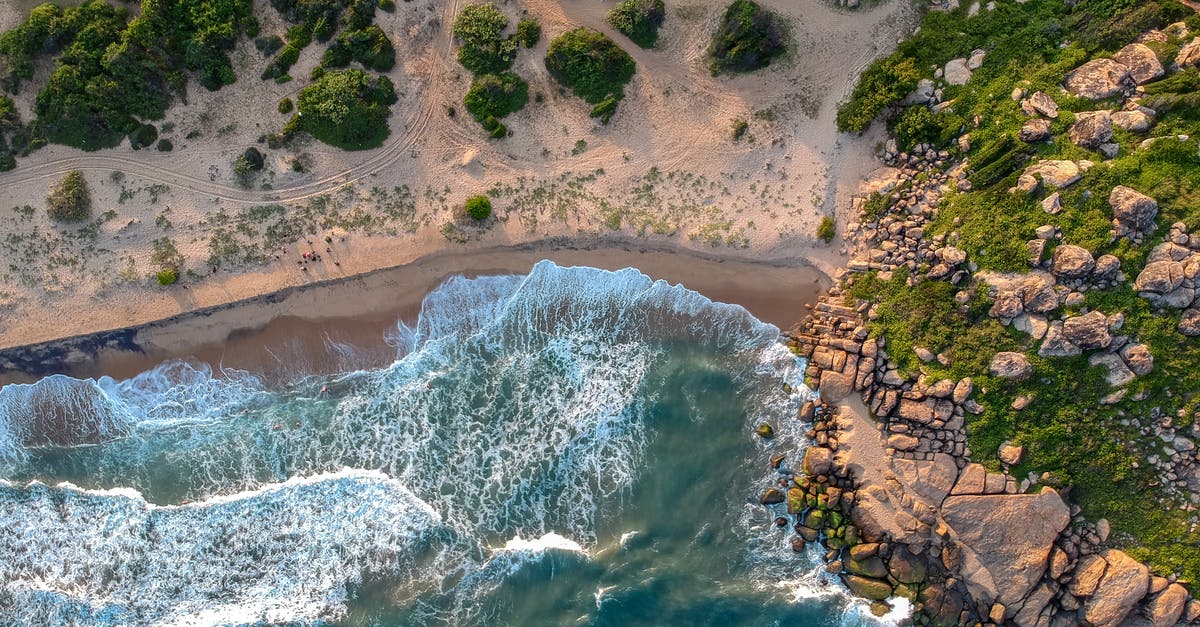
(571, 447)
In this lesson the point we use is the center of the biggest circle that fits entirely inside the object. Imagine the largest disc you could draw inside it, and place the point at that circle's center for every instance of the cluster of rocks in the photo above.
(1169, 278)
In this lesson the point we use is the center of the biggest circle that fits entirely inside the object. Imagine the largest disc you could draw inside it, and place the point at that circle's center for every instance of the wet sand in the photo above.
(299, 330)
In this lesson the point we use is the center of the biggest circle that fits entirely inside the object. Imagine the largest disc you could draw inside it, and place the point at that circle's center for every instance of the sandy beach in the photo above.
(665, 172)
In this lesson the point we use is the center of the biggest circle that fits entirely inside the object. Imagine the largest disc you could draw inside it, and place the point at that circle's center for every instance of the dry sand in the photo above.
(665, 171)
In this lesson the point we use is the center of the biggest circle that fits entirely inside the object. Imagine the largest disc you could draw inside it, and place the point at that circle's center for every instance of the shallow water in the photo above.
(573, 446)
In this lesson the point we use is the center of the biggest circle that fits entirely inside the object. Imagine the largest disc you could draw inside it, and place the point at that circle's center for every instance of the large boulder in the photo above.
(1166, 608)
(1034, 130)
(1133, 121)
(1010, 365)
(1055, 343)
(1142, 63)
(1055, 173)
(1072, 262)
(835, 386)
(1124, 583)
(1098, 79)
(1005, 541)
(1088, 331)
(1091, 129)
(1138, 358)
(817, 460)
(957, 72)
(1189, 54)
(868, 588)
(1132, 210)
(1160, 277)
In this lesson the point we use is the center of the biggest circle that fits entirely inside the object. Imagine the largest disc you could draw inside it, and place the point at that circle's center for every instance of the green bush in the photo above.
(165, 145)
(496, 95)
(387, 5)
(827, 229)
(591, 65)
(528, 32)
(880, 85)
(483, 50)
(70, 200)
(918, 124)
(479, 207)
(739, 129)
(748, 38)
(268, 45)
(144, 135)
(638, 20)
(345, 108)
(286, 105)
(369, 47)
(167, 277)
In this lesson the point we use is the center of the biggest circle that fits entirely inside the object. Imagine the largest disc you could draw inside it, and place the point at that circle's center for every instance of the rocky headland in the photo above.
(890, 484)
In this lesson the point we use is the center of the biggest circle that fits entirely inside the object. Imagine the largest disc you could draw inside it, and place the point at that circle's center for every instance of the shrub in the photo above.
(638, 20)
(827, 229)
(496, 95)
(883, 83)
(387, 5)
(369, 47)
(345, 108)
(165, 255)
(748, 38)
(165, 145)
(528, 32)
(591, 65)
(70, 200)
(286, 106)
(268, 45)
(167, 277)
(918, 124)
(483, 50)
(739, 129)
(479, 207)
(145, 135)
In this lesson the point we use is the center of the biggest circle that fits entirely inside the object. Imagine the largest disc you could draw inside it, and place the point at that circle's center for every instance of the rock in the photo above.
(975, 61)
(795, 500)
(1189, 54)
(1026, 184)
(1142, 63)
(953, 257)
(835, 386)
(765, 431)
(1097, 79)
(1106, 266)
(1166, 608)
(1010, 365)
(924, 354)
(996, 613)
(1132, 121)
(1160, 277)
(772, 496)
(868, 588)
(1055, 344)
(1006, 305)
(962, 390)
(957, 72)
(1124, 583)
(1052, 204)
(1045, 231)
(1088, 573)
(1138, 358)
(1089, 331)
(808, 533)
(1192, 612)
(1010, 454)
(867, 567)
(1043, 104)
(1055, 173)
(1034, 604)
(1189, 323)
(817, 460)
(902, 442)
(1102, 529)
(1091, 129)
(922, 94)
(863, 551)
(1072, 262)
(906, 567)
(1059, 562)
(1005, 540)
(1118, 373)
(1038, 295)
(1132, 209)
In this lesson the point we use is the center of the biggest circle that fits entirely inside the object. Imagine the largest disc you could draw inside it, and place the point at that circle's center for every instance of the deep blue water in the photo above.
(571, 447)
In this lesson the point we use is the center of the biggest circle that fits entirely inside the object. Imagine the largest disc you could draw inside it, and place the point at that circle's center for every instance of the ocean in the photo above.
(569, 447)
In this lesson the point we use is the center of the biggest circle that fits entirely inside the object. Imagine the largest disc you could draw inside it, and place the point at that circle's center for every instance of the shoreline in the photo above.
(249, 333)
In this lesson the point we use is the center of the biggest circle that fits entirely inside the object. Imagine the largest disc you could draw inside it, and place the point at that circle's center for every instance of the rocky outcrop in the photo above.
(1098, 79)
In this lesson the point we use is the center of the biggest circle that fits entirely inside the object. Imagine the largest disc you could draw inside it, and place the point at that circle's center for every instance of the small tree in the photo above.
(70, 200)
(638, 20)
(479, 207)
(827, 229)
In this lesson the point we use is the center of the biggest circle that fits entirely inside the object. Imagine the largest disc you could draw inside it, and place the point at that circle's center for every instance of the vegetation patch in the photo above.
(495, 92)
(345, 108)
(70, 200)
(639, 20)
(493, 96)
(479, 207)
(748, 39)
(593, 67)
(484, 50)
